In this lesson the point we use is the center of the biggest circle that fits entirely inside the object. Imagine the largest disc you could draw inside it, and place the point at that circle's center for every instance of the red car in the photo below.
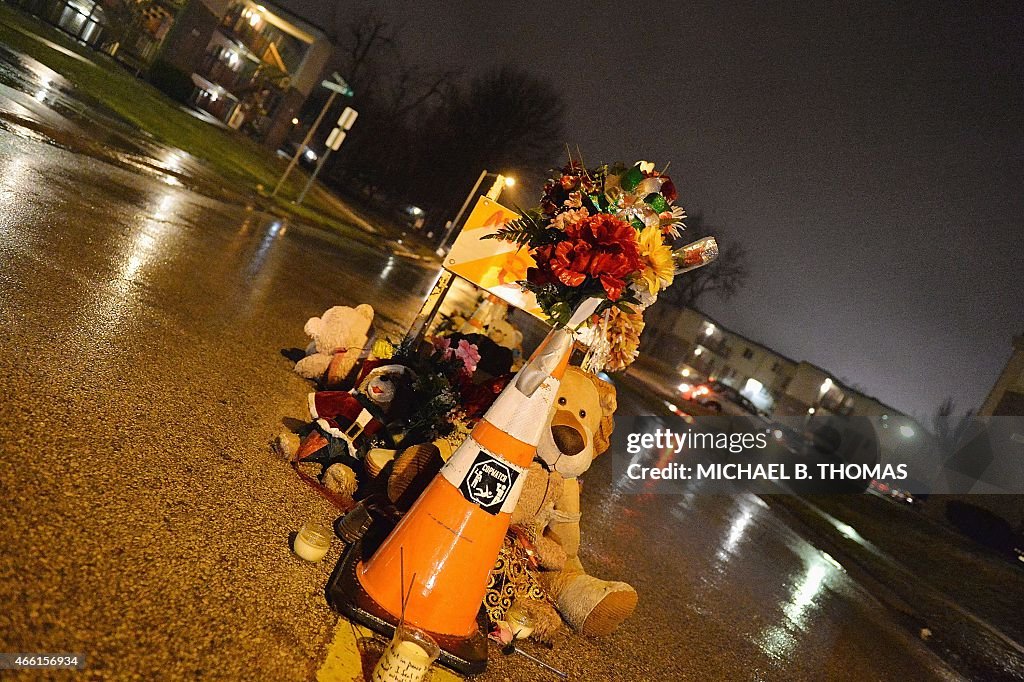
(720, 397)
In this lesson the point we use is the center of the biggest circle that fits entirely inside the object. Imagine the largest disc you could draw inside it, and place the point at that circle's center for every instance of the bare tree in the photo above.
(946, 426)
(505, 119)
(508, 116)
(368, 55)
(390, 95)
(361, 46)
(422, 136)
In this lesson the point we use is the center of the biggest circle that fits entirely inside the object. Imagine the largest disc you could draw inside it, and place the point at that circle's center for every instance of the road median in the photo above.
(101, 110)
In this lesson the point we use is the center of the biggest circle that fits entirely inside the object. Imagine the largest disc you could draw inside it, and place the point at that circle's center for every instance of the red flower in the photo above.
(668, 190)
(601, 246)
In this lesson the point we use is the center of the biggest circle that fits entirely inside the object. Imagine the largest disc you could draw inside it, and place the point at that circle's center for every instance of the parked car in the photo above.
(722, 398)
(307, 158)
(790, 438)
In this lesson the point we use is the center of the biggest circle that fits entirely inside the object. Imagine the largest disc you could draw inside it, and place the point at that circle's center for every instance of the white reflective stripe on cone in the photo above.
(524, 417)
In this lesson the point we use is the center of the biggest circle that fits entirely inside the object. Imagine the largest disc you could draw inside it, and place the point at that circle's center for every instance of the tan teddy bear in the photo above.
(338, 339)
(549, 508)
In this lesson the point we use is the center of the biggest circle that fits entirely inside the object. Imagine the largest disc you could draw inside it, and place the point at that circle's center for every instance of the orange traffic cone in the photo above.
(451, 536)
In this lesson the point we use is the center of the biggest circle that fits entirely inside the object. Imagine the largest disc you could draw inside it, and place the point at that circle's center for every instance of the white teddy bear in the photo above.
(338, 339)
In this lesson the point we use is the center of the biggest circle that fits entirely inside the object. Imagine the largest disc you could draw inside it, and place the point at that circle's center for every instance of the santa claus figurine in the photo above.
(345, 424)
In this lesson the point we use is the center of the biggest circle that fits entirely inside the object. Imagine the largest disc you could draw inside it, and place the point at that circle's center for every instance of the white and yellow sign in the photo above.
(492, 264)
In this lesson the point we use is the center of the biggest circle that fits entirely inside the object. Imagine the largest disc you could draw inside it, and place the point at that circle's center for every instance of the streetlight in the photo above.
(500, 182)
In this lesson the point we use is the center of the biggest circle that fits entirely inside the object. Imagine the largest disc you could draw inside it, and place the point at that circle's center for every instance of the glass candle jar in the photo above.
(519, 621)
(313, 540)
(407, 657)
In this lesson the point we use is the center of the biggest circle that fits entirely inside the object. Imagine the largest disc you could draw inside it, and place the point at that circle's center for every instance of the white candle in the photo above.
(312, 543)
(402, 661)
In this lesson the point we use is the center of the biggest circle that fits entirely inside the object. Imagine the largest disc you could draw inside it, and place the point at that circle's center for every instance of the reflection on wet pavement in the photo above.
(38, 103)
(728, 592)
(141, 378)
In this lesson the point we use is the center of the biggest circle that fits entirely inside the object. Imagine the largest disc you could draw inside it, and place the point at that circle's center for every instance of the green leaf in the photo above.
(631, 178)
(521, 231)
(657, 202)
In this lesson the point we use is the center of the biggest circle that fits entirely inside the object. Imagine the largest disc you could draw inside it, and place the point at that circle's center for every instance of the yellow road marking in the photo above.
(344, 663)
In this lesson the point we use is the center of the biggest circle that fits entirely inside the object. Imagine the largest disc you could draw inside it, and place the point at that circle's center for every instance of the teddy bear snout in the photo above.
(568, 439)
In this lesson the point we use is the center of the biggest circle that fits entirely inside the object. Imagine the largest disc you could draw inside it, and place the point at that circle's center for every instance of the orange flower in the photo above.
(601, 246)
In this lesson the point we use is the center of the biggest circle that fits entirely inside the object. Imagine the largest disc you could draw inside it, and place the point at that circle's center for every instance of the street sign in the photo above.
(336, 86)
(335, 139)
(340, 88)
(347, 118)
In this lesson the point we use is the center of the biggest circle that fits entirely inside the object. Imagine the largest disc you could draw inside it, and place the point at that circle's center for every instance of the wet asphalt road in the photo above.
(146, 523)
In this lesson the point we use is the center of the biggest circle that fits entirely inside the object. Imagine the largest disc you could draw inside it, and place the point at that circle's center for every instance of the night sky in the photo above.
(870, 159)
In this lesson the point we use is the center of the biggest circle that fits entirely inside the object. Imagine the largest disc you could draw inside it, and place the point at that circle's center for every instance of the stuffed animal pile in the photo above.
(337, 341)
(366, 443)
(414, 397)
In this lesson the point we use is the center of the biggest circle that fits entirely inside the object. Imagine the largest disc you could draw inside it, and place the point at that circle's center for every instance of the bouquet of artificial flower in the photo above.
(605, 233)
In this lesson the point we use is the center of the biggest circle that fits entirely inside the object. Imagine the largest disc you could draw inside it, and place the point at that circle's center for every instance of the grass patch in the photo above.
(237, 160)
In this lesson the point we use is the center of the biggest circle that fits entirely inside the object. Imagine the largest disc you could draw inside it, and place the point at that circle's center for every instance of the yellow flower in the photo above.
(623, 339)
(658, 267)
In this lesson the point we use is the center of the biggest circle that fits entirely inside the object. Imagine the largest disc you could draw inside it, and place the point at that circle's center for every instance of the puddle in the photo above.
(38, 103)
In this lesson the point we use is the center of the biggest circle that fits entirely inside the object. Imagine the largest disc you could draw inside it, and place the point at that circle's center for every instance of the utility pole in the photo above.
(500, 182)
(465, 204)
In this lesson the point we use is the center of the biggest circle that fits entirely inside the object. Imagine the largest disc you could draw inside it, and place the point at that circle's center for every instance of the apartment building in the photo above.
(694, 347)
(1007, 395)
(690, 346)
(252, 64)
